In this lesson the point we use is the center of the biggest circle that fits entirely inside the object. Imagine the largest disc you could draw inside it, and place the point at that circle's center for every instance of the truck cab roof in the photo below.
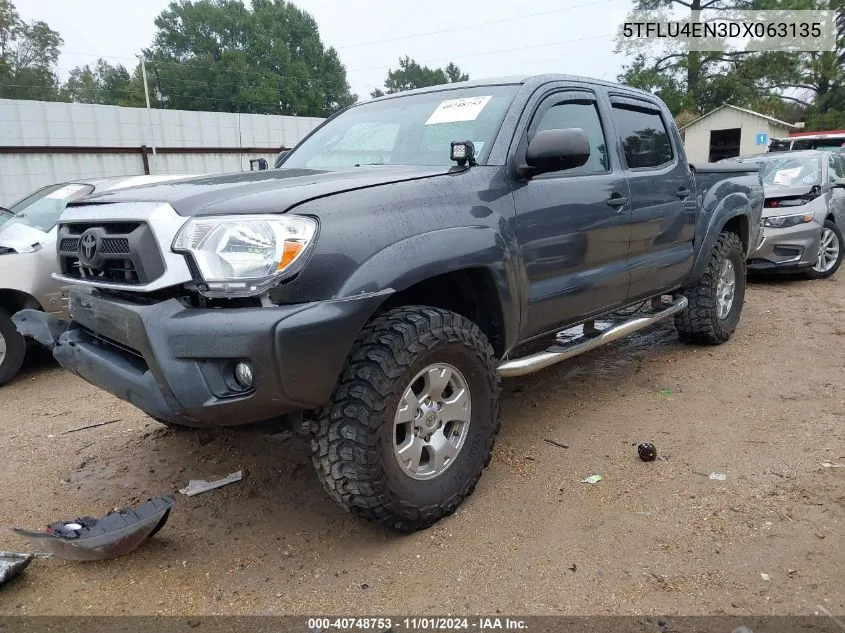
(530, 81)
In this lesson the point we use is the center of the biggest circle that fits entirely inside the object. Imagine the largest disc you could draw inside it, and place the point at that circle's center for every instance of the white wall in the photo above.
(697, 135)
(47, 124)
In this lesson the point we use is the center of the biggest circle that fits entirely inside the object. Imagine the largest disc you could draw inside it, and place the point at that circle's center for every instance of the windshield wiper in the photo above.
(368, 164)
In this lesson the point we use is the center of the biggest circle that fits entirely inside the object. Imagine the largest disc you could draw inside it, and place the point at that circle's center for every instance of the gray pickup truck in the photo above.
(407, 255)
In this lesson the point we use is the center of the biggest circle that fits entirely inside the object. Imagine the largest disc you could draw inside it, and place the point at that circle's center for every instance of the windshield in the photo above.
(409, 130)
(789, 171)
(41, 210)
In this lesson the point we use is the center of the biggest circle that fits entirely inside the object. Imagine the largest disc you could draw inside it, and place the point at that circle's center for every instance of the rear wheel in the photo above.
(830, 252)
(715, 302)
(411, 424)
(12, 349)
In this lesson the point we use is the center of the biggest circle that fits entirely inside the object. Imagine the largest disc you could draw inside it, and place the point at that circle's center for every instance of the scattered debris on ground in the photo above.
(13, 563)
(592, 479)
(115, 534)
(718, 476)
(558, 444)
(92, 426)
(647, 451)
(199, 486)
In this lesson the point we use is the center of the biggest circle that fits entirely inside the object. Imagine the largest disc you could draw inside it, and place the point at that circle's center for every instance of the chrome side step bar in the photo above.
(591, 339)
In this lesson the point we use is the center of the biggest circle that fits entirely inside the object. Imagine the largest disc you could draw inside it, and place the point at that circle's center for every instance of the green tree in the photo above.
(410, 75)
(814, 79)
(771, 82)
(695, 81)
(28, 56)
(221, 55)
(104, 84)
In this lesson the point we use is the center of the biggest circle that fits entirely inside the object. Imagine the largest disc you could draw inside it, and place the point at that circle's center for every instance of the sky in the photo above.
(486, 38)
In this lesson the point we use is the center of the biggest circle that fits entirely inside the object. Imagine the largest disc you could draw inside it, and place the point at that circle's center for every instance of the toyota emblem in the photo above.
(88, 246)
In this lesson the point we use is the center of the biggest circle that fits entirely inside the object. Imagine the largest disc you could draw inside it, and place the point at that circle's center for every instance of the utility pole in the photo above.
(149, 115)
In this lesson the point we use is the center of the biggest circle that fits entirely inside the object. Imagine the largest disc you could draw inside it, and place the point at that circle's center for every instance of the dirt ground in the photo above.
(767, 410)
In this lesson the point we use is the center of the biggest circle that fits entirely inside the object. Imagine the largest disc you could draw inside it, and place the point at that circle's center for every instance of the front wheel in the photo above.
(830, 252)
(716, 301)
(12, 349)
(411, 424)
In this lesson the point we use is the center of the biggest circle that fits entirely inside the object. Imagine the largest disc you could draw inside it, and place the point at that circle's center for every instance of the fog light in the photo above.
(243, 375)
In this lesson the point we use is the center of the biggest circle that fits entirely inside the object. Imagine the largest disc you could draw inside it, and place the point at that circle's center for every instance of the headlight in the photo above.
(241, 256)
(785, 221)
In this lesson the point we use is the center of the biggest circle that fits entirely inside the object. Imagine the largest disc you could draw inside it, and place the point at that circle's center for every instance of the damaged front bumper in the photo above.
(787, 249)
(176, 362)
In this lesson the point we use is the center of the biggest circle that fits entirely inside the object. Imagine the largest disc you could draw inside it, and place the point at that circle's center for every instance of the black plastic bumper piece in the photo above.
(176, 363)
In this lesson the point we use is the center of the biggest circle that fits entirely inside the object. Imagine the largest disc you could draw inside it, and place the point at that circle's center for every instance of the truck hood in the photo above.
(268, 191)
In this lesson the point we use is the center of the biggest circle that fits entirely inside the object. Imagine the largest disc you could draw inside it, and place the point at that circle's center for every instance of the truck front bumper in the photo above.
(176, 363)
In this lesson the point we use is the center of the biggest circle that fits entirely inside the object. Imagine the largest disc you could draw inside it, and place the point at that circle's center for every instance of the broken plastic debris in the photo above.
(113, 535)
(647, 452)
(199, 486)
(764, 576)
(830, 465)
(592, 479)
(665, 392)
(13, 563)
(718, 476)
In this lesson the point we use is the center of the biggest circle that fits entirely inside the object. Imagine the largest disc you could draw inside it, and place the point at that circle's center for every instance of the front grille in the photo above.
(115, 246)
(116, 271)
(119, 228)
(69, 244)
(123, 252)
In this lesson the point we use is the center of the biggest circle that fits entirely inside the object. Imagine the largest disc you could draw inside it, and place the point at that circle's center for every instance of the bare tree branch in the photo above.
(656, 65)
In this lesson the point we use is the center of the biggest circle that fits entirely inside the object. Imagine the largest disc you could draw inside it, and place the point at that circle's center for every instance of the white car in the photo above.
(28, 256)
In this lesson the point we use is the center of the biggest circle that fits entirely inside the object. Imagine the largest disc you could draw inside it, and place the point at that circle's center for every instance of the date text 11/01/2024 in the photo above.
(382, 625)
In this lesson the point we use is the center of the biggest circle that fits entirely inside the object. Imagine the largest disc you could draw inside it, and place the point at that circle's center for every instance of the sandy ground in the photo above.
(767, 410)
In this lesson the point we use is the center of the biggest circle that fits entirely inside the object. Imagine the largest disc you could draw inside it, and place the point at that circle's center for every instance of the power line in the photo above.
(413, 35)
(482, 53)
(476, 25)
(424, 61)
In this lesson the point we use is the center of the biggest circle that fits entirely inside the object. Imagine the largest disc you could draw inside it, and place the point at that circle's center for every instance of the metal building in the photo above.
(730, 131)
(46, 142)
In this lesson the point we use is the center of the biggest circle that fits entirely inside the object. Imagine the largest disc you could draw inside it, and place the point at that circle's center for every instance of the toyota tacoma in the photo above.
(403, 258)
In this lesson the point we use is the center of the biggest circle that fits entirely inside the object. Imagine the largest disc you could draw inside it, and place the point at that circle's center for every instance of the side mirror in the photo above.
(554, 150)
(257, 164)
(277, 163)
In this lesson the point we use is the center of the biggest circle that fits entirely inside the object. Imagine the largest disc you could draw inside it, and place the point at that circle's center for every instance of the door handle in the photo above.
(617, 200)
(683, 192)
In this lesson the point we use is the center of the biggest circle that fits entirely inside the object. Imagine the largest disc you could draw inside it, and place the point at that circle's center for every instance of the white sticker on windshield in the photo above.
(454, 110)
(65, 192)
(785, 176)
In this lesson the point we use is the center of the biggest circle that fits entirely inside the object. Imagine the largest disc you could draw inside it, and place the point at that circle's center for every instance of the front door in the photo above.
(573, 224)
(663, 206)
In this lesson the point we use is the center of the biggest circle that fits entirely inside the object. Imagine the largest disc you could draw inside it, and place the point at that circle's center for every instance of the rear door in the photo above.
(573, 224)
(663, 206)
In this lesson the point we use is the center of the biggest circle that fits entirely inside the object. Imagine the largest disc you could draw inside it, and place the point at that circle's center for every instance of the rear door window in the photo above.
(645, 138)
